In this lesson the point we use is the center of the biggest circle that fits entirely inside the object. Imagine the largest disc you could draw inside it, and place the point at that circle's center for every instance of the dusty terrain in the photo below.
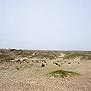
(23, 70)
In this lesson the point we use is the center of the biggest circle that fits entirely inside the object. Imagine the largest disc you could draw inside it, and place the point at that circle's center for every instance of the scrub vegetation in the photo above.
(62, 73)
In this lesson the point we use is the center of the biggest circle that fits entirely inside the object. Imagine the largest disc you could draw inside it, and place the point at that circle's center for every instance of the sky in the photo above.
(45, 24)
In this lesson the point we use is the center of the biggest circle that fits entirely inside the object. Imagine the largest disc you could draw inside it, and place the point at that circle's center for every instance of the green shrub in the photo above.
(74, 55)
(62, 73)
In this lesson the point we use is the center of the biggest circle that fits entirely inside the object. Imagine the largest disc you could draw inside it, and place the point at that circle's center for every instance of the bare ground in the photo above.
(30, 76)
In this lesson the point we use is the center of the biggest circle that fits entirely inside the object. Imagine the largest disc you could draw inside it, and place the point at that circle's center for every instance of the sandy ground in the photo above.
(35, 78)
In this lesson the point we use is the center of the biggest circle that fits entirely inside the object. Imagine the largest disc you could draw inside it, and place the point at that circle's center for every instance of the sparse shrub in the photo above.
(62, 73)
(17, 68)
(24, 60)
(12, 50)
(78, 62)
(42, 65)
(74, 55)
(69, 63)
(56, 63)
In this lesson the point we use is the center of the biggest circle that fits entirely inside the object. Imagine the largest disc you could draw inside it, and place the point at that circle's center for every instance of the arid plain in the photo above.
(30, 70)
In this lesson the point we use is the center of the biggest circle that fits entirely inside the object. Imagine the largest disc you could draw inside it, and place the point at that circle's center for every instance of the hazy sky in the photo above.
(45, 24)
